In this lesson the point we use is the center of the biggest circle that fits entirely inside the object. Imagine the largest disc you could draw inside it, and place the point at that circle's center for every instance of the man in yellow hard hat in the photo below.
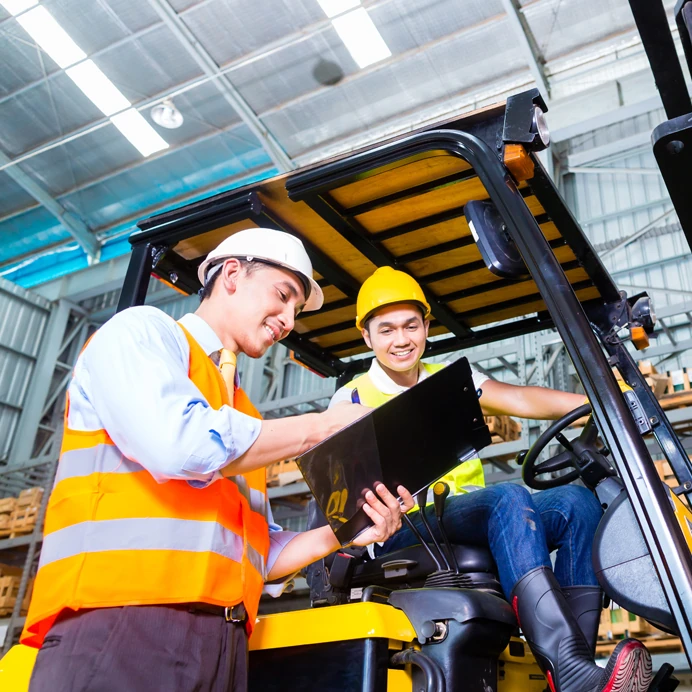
(558, 610)
(158, 535)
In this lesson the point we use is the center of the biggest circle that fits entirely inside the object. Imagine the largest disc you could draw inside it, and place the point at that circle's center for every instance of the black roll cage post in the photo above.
(618, 428)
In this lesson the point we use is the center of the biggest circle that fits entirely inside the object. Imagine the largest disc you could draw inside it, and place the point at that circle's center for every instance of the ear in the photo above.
(230, 272)
(426, 324)
(366, 337)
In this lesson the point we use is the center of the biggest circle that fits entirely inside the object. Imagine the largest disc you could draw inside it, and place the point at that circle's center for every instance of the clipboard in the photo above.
(412, 440)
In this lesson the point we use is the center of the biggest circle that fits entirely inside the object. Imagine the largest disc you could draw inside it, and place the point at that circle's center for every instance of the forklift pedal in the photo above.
(664, 681)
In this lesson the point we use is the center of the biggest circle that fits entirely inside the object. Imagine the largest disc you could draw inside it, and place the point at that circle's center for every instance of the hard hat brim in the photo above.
(360, 323)
(314, 301)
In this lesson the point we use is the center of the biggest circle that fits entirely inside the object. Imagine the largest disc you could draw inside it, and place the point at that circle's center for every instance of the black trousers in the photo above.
(142, 648)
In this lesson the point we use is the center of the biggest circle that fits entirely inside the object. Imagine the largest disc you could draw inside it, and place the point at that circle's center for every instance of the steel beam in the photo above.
(605, 119)
(93, 281)
(128, 168)
(620, 147)
(595, 170)
(528, 44)
(669, 229)
(41, 378)
(635, 209)
(664, 289)
(637, 234)
(75, 226)
(207, 64)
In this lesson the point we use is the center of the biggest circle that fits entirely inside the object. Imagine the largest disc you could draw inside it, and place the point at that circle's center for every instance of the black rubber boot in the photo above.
(559, 645)
(586, 604)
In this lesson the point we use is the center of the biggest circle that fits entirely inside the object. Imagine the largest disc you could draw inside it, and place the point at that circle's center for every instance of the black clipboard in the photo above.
(412, 440)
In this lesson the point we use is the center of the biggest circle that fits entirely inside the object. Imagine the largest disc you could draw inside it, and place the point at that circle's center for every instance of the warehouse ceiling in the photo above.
(261, 85)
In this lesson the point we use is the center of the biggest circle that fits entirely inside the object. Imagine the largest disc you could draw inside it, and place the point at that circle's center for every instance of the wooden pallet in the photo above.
(9, 590)
(7, 504)
(282, 473)
(618, 622)
(31, 497)
(676, 400)
(655, 644)
(503, 428)
(22, 521)
(10, 571)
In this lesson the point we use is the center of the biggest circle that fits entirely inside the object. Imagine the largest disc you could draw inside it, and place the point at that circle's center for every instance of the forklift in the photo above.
(466, 207)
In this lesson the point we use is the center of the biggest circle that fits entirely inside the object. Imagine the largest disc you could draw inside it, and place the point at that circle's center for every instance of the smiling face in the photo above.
(397, 334)
(254, 309)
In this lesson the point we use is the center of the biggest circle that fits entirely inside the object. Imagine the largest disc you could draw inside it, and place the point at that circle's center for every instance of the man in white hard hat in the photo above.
(158, 537)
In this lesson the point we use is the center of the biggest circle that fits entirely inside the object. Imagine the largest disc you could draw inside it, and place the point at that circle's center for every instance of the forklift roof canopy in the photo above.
(400, 204)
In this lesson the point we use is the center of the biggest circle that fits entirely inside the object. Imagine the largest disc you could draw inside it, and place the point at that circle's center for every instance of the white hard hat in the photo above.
(267, 245)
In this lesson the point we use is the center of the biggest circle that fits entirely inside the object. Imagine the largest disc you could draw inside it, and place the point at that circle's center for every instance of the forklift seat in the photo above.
(332, 579)
(413, 564)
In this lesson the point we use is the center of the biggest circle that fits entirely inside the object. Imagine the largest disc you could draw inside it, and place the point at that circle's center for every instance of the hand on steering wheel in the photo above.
(570, 458)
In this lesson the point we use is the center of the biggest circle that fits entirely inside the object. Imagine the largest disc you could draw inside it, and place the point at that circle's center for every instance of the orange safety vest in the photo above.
(115, 537)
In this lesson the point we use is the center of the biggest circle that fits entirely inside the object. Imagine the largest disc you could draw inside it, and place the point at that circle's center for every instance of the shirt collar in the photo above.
(385, 383)
(201, 332)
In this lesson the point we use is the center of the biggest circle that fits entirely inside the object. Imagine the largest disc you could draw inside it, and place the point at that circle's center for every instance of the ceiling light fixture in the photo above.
(98, 88)
(140, 133)
(357, 30)
(51, 37)
(360, 35)
(57, 43)
(15, 7)
(332, 8)
(167, 115)
(327, 72)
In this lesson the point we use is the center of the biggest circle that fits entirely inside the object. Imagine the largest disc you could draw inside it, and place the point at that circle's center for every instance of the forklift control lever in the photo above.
(440, 495)
(422, 498)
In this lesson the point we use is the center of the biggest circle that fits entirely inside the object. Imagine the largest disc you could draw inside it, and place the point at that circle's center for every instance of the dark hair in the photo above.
(206, 290)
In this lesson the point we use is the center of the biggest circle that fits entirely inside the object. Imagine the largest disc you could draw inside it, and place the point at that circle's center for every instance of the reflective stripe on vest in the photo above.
(109, 459)
(466, 476)
(114, 536)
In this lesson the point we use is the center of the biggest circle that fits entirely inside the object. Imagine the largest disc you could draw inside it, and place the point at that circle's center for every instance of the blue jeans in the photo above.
(520, 529)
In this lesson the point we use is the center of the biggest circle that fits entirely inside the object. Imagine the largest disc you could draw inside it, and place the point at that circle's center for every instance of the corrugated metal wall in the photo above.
(23, 319)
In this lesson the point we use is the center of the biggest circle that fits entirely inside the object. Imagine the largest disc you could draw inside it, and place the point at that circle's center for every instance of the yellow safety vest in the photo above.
(465, 477)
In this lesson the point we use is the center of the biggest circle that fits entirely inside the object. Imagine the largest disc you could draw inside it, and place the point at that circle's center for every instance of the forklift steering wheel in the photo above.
(567, 459)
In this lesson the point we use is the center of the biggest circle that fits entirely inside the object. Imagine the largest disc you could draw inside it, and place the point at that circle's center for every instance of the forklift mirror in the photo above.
(643, 314)
(498, 250)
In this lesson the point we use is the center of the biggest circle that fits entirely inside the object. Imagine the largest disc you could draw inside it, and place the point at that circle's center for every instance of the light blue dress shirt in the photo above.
(132, 381)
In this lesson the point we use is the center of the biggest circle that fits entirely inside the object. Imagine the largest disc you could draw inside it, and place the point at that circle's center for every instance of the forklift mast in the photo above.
(671, 140)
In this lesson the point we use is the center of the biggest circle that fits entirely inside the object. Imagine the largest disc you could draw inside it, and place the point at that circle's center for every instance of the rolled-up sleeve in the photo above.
(132, 380)
(278, 540)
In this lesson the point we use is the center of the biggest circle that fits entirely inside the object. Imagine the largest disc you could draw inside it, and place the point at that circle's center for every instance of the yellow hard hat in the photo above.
(386, 287)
